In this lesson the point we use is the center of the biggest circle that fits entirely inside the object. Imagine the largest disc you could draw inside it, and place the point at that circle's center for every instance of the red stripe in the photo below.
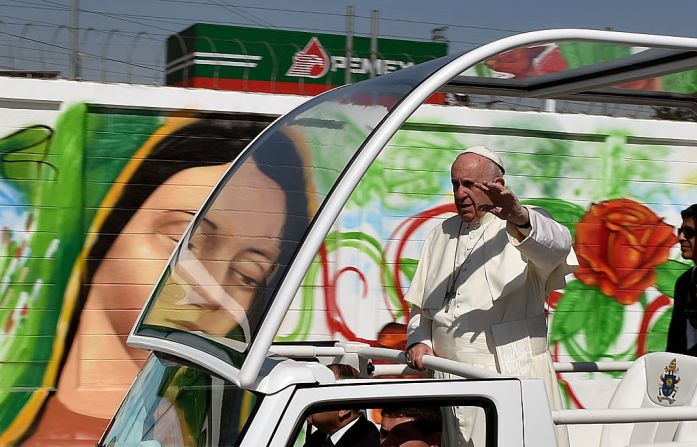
(651, 309)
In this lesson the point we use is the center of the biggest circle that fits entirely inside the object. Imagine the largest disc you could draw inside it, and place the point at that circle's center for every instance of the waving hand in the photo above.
(504, 204)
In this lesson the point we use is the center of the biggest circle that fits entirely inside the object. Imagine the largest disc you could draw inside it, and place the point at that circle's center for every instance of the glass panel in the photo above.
(538, 63)
(227, 269)
(173, 405)
(541, 60)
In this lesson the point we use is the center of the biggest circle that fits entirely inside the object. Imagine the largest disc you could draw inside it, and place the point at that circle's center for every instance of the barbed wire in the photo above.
(142, 69)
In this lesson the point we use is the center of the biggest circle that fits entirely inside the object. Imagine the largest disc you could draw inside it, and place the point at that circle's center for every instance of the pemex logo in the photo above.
(311, 62)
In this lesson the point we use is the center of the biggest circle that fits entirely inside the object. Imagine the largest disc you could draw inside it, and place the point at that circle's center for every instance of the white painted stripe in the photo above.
(249, 57)
(212, 62)
(226, 63)
(176, 61)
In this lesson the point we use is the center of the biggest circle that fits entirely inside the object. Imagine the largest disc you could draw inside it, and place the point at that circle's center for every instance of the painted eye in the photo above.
(173, 230)
(246, 275)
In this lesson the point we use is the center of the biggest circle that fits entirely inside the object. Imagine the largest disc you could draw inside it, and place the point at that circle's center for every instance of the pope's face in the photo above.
(227, 260)
(135, 259)
(466, 170)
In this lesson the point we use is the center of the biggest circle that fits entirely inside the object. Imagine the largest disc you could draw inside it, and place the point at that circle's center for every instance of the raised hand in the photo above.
(504, 204)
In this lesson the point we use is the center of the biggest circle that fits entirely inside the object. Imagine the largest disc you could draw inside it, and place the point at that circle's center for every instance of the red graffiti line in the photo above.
(651, 309)
(412, 224)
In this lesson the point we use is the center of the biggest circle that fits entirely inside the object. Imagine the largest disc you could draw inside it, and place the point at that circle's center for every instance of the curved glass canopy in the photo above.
(232, 277)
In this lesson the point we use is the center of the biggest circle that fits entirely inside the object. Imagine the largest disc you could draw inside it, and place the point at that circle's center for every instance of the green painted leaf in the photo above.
(658, 333)
(580, 54)
(570, 311)
(667, 274)
(603, 324)
(566, 213)
(584, 311)
(682, 82)
(408, 267)
(24, 139)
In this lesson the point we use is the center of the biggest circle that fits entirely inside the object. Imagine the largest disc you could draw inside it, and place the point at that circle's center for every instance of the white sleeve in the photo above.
(419, 328)
(547, 243)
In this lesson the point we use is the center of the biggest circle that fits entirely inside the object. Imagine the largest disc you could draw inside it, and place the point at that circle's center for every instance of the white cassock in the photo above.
(496, 318)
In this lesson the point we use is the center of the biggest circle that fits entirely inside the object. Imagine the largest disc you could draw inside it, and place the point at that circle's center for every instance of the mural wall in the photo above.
(93, 199)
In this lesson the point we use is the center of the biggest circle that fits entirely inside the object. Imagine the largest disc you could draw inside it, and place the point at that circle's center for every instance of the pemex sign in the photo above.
(279, 61)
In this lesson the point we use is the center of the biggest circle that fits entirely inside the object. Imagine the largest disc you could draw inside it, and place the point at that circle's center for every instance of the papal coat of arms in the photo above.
(669, 383)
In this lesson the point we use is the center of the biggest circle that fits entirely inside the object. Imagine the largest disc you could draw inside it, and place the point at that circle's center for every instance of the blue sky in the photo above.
(34, 36)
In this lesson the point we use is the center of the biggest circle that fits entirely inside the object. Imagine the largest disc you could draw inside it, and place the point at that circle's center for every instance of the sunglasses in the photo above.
(688, 232)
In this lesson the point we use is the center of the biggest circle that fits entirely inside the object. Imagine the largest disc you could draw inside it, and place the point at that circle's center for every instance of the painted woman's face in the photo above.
(227, 260)
(135, 260)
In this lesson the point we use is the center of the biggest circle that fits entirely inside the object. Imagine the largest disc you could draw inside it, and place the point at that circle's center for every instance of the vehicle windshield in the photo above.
(224, 274)
(174, 405)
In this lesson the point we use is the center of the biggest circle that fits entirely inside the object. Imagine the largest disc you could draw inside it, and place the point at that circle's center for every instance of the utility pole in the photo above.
(74, 31)
(349, 42)
(373, 41)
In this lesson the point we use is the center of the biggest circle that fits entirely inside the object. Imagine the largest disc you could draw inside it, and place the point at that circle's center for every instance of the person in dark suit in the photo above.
(342, 428)
(682, 332)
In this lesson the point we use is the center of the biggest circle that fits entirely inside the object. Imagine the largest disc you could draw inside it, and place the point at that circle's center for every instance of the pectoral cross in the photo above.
(449, 296)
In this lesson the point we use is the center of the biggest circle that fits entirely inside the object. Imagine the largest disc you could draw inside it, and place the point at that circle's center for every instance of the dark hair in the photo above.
(690, 212)
(342, 371)
(427, 419)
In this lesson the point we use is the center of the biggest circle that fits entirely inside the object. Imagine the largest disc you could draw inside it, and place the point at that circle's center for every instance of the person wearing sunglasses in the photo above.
(682, 332)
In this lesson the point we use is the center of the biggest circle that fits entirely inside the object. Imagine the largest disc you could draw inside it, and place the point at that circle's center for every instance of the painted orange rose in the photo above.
(618, 244)
(529, 61)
